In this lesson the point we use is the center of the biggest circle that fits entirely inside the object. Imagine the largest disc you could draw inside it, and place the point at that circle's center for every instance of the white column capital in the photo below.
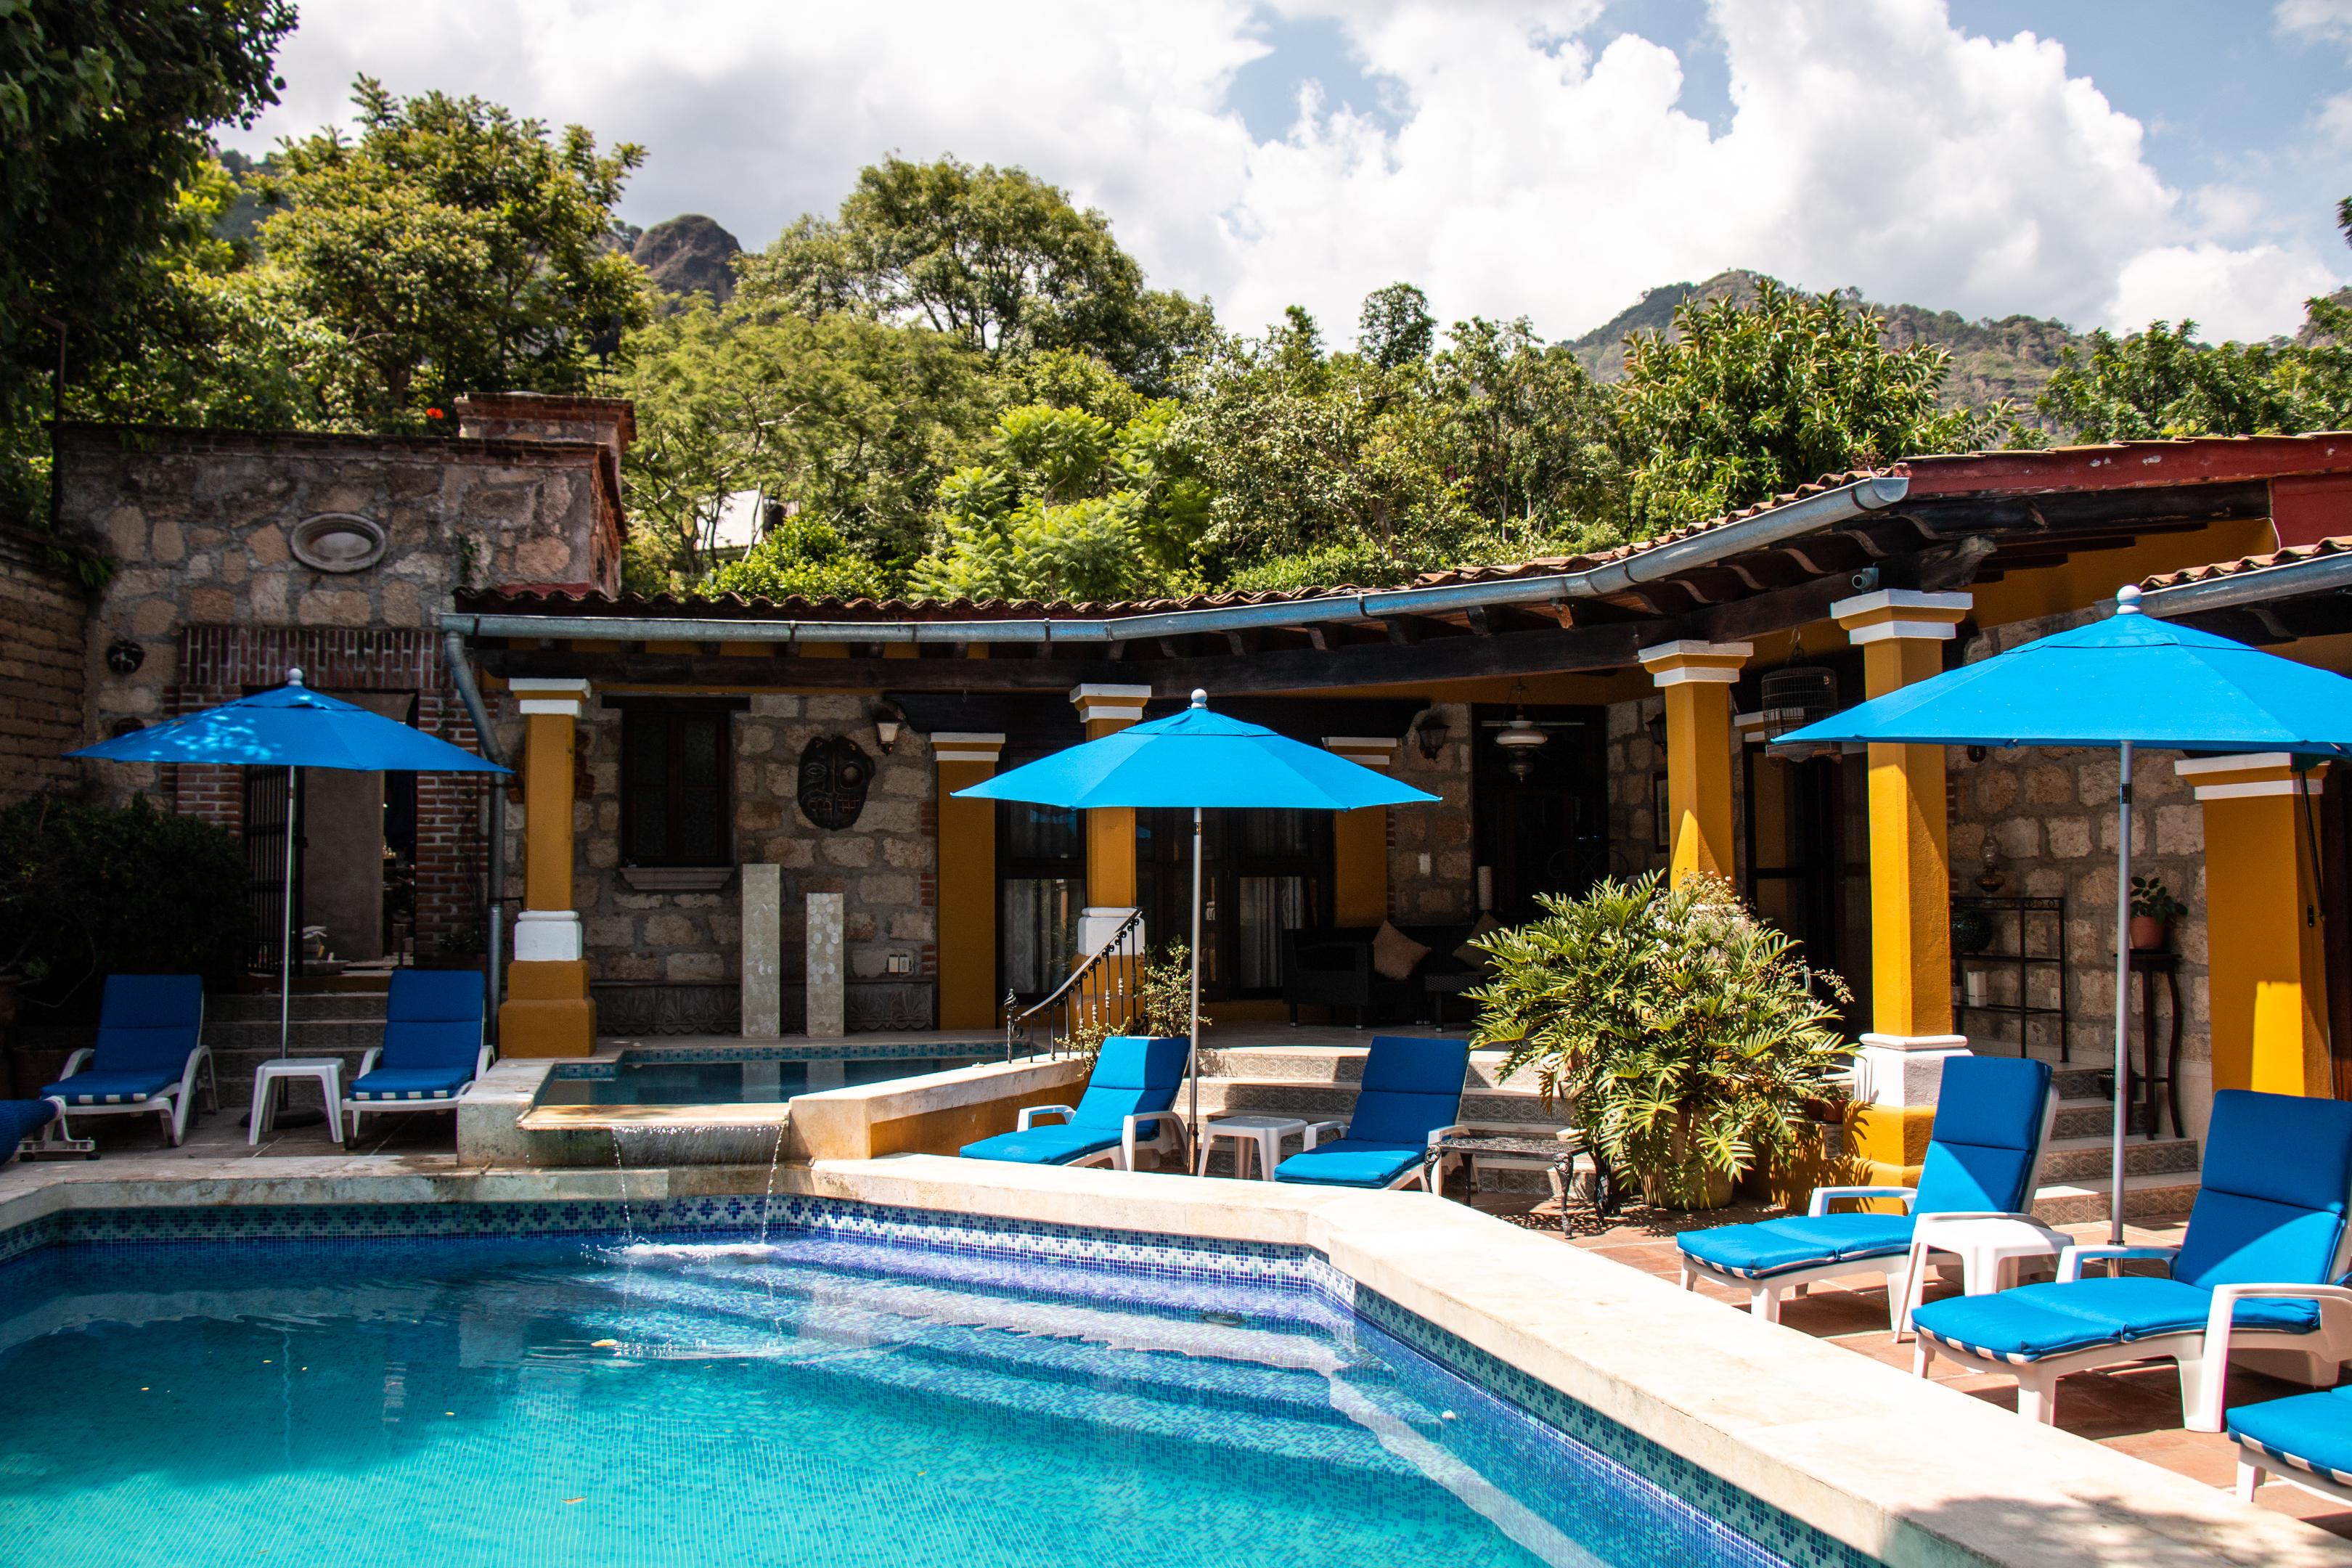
(1904, 1069)
(1119, 704)
(1692, 662)
(967, 746)
(1894, 613)
(565, 696)
(1364, 751)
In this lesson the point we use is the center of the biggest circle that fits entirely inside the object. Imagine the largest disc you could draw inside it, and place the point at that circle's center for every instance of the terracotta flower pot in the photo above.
(2147, 933)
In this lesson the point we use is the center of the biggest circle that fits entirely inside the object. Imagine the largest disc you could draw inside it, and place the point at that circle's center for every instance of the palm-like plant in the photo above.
(1686, 1034)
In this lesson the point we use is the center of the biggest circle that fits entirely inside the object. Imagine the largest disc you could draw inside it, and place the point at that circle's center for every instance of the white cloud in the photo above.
(1529, 163)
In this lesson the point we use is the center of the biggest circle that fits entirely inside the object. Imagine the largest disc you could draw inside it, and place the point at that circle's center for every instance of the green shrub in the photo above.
(91, 891)
(1684, 1034)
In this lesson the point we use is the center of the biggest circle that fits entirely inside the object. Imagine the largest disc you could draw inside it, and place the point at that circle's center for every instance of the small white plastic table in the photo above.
(1989, 1251)
(1267, 1132)
(267, 1078)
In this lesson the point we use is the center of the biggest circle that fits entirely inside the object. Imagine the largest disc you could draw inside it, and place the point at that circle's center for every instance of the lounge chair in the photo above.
(1125, 1107)
(433, 1050)
(1993, 1115)
(2305, 1439)
(28, 1127)
(2268, 1227)
(149, 1056)
(1410, 1097)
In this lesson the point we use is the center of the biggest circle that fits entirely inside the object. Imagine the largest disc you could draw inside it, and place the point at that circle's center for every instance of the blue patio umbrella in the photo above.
(291, 727)
(2122, 683)
(1202, 759)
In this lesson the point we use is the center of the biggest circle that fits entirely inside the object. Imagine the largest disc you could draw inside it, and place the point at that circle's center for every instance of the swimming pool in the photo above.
(726, 1078)
(816, 1397)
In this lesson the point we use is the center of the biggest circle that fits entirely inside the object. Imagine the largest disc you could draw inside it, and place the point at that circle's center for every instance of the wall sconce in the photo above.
(124, 657)
(887, 722)
(1429, 733)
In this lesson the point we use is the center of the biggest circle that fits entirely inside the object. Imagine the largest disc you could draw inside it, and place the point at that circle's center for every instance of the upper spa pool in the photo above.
(816, 1400)
(723, 1078)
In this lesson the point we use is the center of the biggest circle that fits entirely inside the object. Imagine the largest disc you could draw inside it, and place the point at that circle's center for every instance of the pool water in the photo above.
(810, 1402)
(732, 1080)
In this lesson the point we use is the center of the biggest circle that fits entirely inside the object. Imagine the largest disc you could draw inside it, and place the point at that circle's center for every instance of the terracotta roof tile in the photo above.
(2215, 571)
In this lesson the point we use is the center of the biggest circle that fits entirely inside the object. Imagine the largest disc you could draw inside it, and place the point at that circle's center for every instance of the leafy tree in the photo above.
(996, 256)
(800, 556)
(1530, 438)
(2162, 382)
(1068, 506)
(854, 421)
(452, 247)
(103, 110)
(1745, 402)
(1395, 328)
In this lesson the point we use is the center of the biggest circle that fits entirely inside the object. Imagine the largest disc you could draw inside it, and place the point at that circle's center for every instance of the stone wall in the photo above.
(1448, 892)
(42, 673)
(1635, 761)
(885, 865)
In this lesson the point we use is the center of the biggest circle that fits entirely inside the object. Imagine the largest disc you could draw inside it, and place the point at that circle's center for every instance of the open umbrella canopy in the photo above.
(1197, 758)
(2129, 678)
(291, 726)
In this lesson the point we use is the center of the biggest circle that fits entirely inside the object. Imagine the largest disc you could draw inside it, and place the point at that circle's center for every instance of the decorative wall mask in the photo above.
(834, 775)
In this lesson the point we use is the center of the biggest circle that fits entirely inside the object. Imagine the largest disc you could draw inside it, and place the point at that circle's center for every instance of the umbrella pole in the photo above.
(2123, 988)
(1193, 1057)
(285, 928)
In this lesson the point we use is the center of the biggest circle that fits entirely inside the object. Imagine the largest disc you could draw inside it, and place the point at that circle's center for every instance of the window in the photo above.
(1267, 872)
(674, 771)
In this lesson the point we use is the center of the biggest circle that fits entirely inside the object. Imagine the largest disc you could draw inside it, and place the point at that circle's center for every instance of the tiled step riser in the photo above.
(2095, 1118)
(2164, 1156)
(1303, 1066)
(1321, 1101)
(264, 1009)
(2139, 1203)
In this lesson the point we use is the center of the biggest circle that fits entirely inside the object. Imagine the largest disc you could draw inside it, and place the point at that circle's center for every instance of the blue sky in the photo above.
(1549, 158)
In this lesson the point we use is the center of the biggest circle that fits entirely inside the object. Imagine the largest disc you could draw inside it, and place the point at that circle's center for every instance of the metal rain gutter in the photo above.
(2286, 580)
(1760, 532)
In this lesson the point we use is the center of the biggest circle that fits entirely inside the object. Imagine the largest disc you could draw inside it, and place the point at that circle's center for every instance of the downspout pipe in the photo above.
(1761, 531)
(461, 670)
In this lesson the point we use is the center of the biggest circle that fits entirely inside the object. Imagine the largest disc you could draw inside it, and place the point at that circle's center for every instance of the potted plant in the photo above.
(1689, 1039)
(2153, 910)
(1162, 1010)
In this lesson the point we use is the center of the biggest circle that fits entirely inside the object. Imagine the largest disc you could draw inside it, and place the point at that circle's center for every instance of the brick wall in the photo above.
(41, 669)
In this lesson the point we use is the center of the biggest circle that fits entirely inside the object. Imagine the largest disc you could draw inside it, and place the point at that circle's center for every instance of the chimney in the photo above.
(610, 422)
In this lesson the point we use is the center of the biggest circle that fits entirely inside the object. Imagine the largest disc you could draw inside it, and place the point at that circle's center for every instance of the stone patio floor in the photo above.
(2135, 1409)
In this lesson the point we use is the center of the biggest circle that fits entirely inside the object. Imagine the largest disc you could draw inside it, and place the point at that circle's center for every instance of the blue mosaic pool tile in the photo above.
(1169, 1271)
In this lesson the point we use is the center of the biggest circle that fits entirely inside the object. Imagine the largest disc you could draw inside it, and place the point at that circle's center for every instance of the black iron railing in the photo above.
(1096, 1000)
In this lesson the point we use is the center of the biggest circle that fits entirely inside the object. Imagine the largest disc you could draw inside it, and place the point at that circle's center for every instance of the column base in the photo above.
(1896, 1081)
(547, 1012)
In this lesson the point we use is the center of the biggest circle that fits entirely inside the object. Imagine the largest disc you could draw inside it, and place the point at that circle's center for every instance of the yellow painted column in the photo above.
(1697, 679)
(967, 882)
(547, 1012)
(1900, 1067)
(1359, 840)
(1111, 833)
(2266, 969)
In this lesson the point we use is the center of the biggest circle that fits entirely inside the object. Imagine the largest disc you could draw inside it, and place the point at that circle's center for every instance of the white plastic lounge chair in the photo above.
(149, 1056)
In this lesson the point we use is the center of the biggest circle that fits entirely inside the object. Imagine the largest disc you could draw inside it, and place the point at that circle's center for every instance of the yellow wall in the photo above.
(967, 895)
(1359, 866)
(2266, 970)
(1698, 781)
(1910, 877)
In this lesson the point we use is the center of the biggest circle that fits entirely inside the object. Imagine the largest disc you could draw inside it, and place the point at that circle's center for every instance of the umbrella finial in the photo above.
(2128, 601)
(294, 676)
(1199, 697)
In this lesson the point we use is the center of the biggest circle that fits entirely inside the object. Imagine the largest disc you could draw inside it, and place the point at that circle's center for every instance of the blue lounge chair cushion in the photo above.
(1049, 1143)
(128, 1086)
(2309, 1431)
(413, 1083)
(1777, 1246)
(1987, 1139)
(1411, 1088)
(2271, 1206)
(433, 1020)
(1132, 1075)
(1353, 1163)
(148, 1022)
(19, 1119)
(2038, 1321)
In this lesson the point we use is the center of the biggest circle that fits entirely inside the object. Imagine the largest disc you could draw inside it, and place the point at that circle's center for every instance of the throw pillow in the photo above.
(1394, 953)
(1471, 956)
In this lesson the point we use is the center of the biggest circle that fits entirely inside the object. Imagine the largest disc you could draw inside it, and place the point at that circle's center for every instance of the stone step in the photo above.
(1339, 1063)
(239, 1007)
(2085, 1201)
(1237, 1096)
(2071, 1159)
(2093, 1119)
